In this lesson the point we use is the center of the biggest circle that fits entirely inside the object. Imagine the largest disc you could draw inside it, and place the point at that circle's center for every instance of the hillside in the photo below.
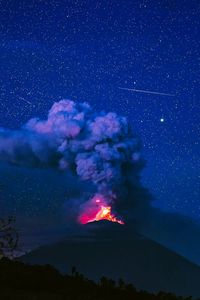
(136, 259)
(21, 282)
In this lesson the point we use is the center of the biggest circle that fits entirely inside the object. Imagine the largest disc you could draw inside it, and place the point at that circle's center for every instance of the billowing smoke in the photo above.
(99, 148)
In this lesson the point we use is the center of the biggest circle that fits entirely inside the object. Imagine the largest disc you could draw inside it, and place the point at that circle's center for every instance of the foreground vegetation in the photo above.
(25, 282)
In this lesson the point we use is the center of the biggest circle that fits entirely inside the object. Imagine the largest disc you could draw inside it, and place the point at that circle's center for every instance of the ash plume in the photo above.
(99, 148)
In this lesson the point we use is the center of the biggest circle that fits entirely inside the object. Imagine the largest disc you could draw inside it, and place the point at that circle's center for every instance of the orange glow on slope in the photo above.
(105, 214)
(97, 210)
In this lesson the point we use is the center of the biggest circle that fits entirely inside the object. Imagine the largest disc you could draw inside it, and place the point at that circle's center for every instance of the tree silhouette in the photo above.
(73, 270)
(20, 281)
(8, 237)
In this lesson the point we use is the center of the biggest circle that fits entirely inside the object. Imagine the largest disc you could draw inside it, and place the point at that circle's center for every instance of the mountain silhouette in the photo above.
(112, 250)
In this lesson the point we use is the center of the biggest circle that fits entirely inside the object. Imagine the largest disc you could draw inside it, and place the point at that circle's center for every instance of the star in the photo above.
(161, 120)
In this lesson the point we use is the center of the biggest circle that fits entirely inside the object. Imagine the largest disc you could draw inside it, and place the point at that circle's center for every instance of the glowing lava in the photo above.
(96, 211)
(105, 214)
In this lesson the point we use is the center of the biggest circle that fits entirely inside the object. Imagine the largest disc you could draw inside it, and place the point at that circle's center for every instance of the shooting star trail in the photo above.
(147, 92)
(23, 99)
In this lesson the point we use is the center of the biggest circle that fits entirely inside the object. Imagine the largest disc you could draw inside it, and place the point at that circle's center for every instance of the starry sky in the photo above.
(87, 51)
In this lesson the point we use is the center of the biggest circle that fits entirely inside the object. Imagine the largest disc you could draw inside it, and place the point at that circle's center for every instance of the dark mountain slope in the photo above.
(136, 259)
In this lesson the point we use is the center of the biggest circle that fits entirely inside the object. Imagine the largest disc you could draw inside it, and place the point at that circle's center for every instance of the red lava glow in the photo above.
(105, 214)
(100, 212)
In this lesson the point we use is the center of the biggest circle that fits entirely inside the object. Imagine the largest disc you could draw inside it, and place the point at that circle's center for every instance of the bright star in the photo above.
(161, 120)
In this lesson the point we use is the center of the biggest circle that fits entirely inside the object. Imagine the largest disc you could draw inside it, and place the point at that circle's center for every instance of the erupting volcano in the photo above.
(94, 149)
(97, 209)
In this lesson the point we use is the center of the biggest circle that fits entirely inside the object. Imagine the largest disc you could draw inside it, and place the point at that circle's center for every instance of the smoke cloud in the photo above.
(101, 157)
(99, 148)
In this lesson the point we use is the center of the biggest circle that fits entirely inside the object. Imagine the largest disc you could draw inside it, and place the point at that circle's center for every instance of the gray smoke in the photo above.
(99, 148)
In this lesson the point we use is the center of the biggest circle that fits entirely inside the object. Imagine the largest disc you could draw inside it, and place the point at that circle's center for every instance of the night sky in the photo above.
(87, 51)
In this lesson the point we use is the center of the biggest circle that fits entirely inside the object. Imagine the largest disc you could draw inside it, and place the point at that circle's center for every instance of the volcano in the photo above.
(109, 249)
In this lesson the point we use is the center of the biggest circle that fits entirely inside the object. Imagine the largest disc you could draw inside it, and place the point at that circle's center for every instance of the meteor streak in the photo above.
(25, 100)
(147, 92)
